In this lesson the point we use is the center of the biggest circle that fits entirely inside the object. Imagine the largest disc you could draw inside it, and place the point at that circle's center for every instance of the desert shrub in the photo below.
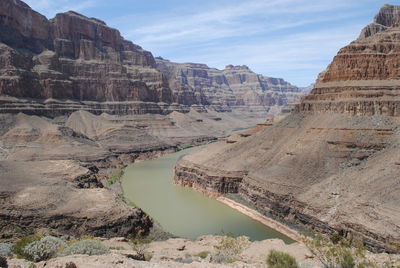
(203, 254)
(85, 246)
(117, 175)
(5, 249)
(19, 246)
(347, 260)
(229, 249)
(278, 259)
(343, 254)
(43, 249)
(140, 244)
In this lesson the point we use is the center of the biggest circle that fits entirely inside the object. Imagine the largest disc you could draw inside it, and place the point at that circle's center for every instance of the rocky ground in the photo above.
(185, 253)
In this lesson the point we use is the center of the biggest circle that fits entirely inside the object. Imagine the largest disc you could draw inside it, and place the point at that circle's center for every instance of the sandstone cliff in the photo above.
(387, 17)
(233, 86)
(72, 62)
(72, 57)
(333, 164)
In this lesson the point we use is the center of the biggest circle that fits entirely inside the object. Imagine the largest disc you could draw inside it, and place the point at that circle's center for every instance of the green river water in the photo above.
(181, 210)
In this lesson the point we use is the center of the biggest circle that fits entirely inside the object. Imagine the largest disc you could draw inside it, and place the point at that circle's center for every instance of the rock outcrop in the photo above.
(233, 86)
(333, 163)
(72, 57)
(388, 16)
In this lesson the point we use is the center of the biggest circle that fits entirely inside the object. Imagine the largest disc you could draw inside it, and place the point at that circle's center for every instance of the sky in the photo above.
(290, 39)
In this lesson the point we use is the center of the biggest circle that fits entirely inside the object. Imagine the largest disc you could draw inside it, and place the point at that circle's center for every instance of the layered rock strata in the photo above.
(388, 16)
(73, 57)
(233, 86)
(334, 162)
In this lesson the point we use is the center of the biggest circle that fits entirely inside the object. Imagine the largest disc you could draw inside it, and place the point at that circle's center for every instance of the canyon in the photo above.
(333, 163)
(77, 100)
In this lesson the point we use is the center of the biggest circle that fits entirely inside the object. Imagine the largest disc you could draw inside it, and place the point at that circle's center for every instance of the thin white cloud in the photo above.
(51, 7)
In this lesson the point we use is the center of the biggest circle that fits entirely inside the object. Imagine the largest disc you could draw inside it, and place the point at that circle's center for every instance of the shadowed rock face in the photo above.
(334, 163)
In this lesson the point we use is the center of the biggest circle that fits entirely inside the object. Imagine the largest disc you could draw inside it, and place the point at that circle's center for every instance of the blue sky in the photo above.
(292, 39)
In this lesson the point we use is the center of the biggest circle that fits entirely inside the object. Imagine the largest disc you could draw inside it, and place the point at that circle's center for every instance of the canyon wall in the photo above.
(72, 62)
(233, 86)
(333, 164)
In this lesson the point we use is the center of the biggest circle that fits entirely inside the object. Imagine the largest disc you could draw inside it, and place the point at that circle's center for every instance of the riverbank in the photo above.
(271, 223)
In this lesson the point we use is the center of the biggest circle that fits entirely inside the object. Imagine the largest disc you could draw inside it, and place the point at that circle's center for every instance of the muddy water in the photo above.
(183, 211)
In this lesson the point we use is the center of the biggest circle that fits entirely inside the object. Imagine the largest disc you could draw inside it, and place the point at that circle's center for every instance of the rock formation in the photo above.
(387, 17)
(46, 64)
(233, 86)
(333, 163)
(72, 57)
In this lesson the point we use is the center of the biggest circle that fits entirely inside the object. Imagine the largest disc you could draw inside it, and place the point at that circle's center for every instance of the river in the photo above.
(181, 210)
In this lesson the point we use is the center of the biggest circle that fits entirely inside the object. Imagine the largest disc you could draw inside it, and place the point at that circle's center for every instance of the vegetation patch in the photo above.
(230, 248)
(116, 176)
(85, 246)
(339, 252)
(140, 245)
(19, 247)
(203, 254)
(278, 259)
(5, 249)
(43, 249)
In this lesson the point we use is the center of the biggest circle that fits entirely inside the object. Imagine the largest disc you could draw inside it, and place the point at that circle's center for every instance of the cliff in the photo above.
(387, 17)
(72, 57)
(363, 78)
(46, 64)
(233, 86)
(333, 163)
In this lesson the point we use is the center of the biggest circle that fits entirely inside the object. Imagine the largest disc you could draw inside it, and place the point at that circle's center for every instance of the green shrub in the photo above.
(5, 249)
(140, 244)
(43, 249)
(278, 259)
(230, 248)
(117, 175)
(86, 246)
(203, 254)
(347, 260)
(18, 248)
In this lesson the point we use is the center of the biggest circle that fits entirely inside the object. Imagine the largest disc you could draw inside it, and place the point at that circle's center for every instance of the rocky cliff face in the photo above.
(233, 86)
(333, 164)
(363, 78)
(72, 57)
(388, 16)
